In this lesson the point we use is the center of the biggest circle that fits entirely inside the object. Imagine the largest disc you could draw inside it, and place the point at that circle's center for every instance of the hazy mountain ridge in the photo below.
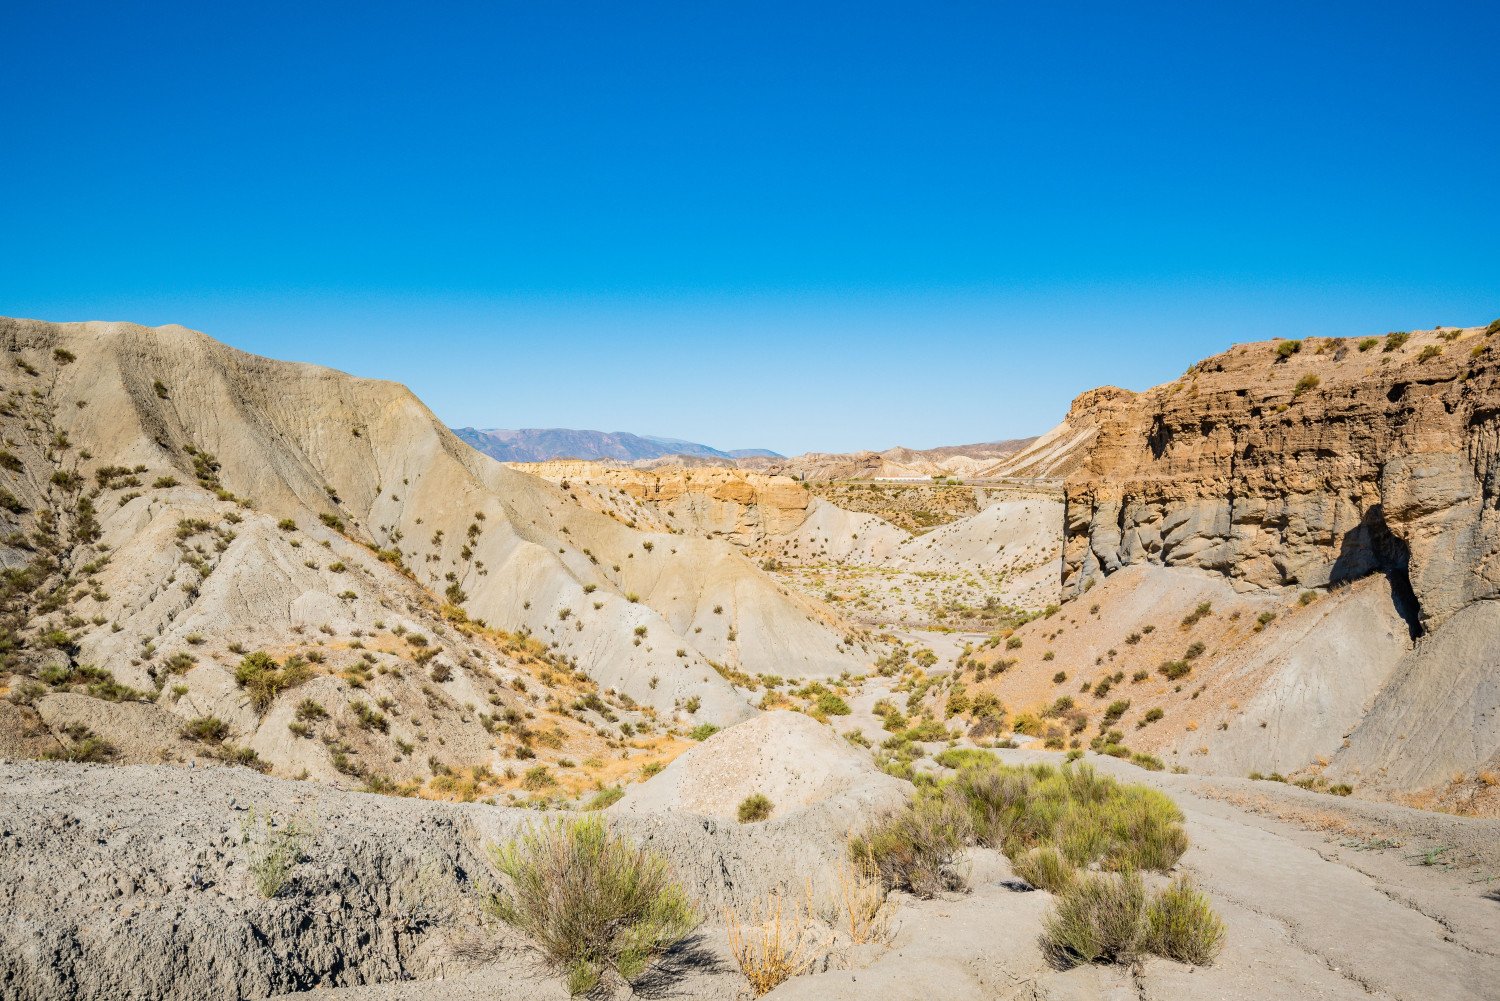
(545, 444)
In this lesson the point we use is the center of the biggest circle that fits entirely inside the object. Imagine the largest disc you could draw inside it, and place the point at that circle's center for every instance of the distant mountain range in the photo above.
(542, 444)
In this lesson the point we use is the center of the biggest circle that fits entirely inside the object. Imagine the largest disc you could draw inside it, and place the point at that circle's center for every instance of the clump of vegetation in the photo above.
(264, 679)
(914, 848)
(1110, 918)
(1181, 925)
(537, 778)
(829, 704)
(1051, 822)
(1172, 670)
(271, 866)
(1100, 917)
(593, 903)
(605, 798)
(1285, 349)
(755, 808)
(1198, 614)
(703, 731)
(1046, 868)
(775, 943)
(1394, 340)
(206, 729)
(82, 746)
(1308, 381)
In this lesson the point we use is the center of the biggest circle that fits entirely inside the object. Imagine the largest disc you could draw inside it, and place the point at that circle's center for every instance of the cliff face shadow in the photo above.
(1371, 547)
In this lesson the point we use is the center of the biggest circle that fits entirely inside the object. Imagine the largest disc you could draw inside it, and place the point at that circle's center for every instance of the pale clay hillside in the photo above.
(1195, 696)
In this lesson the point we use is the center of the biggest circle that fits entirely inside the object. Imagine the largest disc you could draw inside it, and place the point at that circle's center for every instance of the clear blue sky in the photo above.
(790, 225)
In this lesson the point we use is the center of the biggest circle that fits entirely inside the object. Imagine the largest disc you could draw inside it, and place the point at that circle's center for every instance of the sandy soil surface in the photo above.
(138, 888)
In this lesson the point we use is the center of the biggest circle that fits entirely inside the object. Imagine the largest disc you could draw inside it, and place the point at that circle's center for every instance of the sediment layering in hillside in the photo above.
(1290, 465)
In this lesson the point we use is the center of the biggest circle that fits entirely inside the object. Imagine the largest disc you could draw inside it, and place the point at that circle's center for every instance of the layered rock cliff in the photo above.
(1304, 464)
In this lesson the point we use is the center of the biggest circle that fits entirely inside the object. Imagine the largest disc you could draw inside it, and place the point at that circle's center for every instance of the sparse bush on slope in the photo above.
(755, 808)
(263, 678)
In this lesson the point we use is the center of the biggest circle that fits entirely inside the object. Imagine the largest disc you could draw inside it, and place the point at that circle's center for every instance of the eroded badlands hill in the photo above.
(855, 545)
(171, 505)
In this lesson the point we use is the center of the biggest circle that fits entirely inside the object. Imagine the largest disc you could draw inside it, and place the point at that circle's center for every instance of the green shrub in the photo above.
(264, 679)
(1045, 868)
(829, 704)
(1198, 614)
(1181, 925)
(755, 808)
(1308, 381)
(272, 863)
(703, 731)
(537, 778)
(207, 729)
(592, 902)
(1148, 761)
(82, 746)
(368, 719)
(309, 710)
(1173, 670)
(914, 848)
(1368, 343)
(242, 756)
(605, 798)
(1100, 917)
(960, 757)
(1286, 349)
(1090, 818)
(1394, 340)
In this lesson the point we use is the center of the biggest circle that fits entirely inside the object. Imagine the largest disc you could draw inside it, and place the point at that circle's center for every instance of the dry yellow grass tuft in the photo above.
(862, 905)
(775, 941)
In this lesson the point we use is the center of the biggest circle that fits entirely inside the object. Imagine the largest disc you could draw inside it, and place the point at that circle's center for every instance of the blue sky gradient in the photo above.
(795, 226)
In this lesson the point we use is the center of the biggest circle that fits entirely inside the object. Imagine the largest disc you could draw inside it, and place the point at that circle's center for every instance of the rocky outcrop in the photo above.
(1304, 464)
(737, 505)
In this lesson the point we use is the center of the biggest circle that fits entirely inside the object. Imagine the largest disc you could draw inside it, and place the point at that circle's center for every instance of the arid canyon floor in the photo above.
(1195, 696)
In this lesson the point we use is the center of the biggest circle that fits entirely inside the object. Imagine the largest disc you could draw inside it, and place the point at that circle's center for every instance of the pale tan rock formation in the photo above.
(1304, 468)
